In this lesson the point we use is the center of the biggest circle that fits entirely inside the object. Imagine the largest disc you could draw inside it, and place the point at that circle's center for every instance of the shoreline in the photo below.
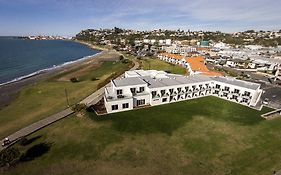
(41, 71)
(91, 45)
(9, 91)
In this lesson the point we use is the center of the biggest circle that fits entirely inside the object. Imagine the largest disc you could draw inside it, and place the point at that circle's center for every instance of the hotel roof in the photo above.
(174, 80)
(235, 82)
(128, 82)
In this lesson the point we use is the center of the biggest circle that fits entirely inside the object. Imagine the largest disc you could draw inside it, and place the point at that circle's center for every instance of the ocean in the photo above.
(23, 58)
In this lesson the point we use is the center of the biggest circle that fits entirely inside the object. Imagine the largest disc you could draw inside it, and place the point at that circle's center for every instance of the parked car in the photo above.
(265, 101)
(6, 142)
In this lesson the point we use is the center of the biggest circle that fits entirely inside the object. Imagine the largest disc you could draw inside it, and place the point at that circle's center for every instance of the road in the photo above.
(90, 100)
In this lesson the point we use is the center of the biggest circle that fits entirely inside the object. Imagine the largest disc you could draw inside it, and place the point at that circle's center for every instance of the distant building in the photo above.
(204, 43)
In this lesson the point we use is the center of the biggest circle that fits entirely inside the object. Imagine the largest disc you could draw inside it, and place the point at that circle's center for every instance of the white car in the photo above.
(6, 142)
(265, 101)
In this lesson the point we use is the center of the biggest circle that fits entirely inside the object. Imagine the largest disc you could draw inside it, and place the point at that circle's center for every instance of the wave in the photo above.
(47, 69)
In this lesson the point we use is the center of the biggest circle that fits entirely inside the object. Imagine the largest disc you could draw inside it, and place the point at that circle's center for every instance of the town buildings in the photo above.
(141, 88)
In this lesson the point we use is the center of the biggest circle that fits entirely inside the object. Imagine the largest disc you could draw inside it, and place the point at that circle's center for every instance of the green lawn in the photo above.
(200, 136)
(153, 63)
(156, 64)
(48, 97)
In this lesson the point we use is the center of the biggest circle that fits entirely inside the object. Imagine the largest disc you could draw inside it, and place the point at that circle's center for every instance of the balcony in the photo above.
(181, 92)
(225, 90)
(235, 93)
(116, 98)
(120, 96)
(202, 89)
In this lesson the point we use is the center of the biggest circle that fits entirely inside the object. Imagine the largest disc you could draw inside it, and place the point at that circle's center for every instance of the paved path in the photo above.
(90, 100)
(36, 126)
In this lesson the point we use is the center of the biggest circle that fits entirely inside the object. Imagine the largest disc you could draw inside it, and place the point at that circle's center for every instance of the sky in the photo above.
(68, 17)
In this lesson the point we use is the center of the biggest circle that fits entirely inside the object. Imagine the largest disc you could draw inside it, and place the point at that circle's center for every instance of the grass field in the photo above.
(48, 97)
(200, 136)
(152, 63)
(156, 64)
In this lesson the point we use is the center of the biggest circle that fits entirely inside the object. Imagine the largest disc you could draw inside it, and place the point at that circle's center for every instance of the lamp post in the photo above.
(66, 97)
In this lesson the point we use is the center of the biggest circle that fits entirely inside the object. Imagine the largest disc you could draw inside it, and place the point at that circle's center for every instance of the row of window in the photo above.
(140, 102)
(133, 90)
(124, 106)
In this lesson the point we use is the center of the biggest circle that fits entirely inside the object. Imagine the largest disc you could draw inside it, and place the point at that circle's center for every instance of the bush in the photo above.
(23, 141)
(74, 80)
(125, 61)
(79, 107)
(94, 79)
(121, 57)
(9, 156)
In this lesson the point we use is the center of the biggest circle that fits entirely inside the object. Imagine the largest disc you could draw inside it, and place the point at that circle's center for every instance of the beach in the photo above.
(8, 92)
(91, 45)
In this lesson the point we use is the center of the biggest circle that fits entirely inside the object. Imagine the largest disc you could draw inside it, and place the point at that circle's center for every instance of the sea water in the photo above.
(21, 58)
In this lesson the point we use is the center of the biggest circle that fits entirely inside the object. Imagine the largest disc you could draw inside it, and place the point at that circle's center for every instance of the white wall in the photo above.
(119, 102)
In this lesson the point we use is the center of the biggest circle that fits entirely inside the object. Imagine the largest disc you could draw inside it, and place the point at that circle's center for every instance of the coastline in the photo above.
(9, 91)
(91, 45)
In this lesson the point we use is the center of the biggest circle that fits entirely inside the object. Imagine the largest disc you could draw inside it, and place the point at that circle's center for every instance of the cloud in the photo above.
(225, 15)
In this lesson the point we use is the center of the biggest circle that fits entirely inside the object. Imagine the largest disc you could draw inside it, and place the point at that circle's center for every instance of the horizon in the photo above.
(67, 18)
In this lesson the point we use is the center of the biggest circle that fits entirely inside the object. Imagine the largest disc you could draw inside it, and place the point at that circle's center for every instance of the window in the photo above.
(141, 89)
(162, 92)
(153, 93)
(140, 102)
(164, 100)
(247, 93)
(133, 90)
(125, 105)
(217, 86)
(119, 91)
(226, 88)
(114, 107)
(171, 90)
(236, 90)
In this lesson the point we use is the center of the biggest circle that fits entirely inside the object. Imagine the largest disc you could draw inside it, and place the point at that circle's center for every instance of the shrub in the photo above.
(94, 79)
(9, 156)
(121, 57)
(23, 141)
(79, 107)
(125, 61)
(74, 80)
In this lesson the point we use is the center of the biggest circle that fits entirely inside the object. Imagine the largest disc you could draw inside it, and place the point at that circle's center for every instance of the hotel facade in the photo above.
(142, 88)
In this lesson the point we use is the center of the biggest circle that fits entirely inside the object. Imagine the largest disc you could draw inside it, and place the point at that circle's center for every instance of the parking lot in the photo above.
(273, 94)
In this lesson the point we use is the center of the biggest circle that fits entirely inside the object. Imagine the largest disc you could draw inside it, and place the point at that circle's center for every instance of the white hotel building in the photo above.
(148, 88)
